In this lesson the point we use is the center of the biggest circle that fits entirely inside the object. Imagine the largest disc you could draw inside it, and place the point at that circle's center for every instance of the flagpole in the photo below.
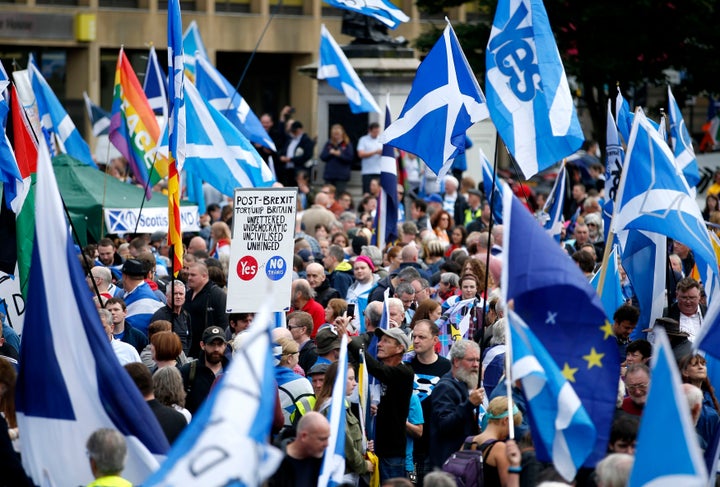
(147, 184)
(508, 373)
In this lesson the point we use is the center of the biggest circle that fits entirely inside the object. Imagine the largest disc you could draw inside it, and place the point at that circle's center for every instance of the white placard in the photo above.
(261, 253)
(125, 220)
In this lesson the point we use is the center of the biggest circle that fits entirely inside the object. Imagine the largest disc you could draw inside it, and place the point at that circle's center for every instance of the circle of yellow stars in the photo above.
(593, 359)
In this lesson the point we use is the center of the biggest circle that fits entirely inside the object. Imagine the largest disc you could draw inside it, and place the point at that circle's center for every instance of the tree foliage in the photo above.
(625, 42)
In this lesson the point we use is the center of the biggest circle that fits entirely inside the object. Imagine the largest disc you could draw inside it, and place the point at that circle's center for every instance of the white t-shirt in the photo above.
(370, 165)
(125, 352)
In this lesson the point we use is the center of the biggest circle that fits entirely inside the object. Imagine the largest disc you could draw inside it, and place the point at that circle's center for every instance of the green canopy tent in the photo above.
(89, 193)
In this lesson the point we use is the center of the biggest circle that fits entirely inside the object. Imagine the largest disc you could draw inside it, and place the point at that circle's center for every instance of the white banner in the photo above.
(261, 254)
(12, 304)
(125, 220)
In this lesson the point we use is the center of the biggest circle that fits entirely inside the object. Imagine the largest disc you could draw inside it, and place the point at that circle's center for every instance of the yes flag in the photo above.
(335, 68)
(55, 119)
(527, 90)
(558, 419)
(682, 143)
(561, 308)
(99, 118)
(64, 393)
(381, 10)
(494, 193)
(134, 130)
(333, 465)
(653, 197)
(667, 453)
(217, 152)
(155, 85)
(386, 215)
(444, 101)
(221, 446)
(222, 95)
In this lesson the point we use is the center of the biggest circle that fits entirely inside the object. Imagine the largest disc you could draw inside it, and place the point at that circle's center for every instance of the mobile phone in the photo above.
(351, 309)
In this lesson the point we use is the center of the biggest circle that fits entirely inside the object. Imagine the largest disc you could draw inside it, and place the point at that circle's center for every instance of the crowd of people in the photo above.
(438, 361)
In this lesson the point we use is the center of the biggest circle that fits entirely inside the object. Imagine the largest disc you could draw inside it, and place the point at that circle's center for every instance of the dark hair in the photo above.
(157, 326)
(706, 386)
(420, 205)
(119, 301)
(686, 284)
(584, 260)
(640, 345)
(626, 312)
(422, 313)
(624, 427)
(140, 375)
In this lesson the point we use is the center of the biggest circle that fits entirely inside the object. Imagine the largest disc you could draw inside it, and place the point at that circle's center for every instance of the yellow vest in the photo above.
(110, 481)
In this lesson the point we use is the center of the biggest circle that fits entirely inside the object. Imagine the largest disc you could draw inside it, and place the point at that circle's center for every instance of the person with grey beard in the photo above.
(455, 399)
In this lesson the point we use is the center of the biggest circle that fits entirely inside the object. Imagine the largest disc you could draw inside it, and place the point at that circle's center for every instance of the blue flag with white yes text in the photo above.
(444, 101)
(667, 453)
(527, 91)
(682, 143)
(556, 301)
(335, 68)
(64, 393)
(557, 417)
(380, 10)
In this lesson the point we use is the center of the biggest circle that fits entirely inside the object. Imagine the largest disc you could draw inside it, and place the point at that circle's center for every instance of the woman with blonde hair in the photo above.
(338, 154)
(220, 235)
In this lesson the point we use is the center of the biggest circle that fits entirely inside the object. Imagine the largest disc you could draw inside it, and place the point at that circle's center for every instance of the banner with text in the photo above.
(125, 220)
(261, 254)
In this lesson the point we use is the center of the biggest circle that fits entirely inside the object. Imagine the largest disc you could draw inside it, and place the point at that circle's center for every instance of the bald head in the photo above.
(313, 433)
(409, 253)
(322, 200)
(315, 274)
(197, 244)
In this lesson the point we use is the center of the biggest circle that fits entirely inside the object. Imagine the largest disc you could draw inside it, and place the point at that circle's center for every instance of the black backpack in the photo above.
(466, 464)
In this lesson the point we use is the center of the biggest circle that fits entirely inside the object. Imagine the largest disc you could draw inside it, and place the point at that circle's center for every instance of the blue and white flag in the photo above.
(559, 420)
(623, 116)
(494, 193)
(99, 118)
(682, 143)
(611, 294)
(333, 465)
(386, 215)
(194, 46)
(222, 95)
(335, 68)
(217, 152)
(56, 121)
(554, 206)
(653, 195)
(177, 129)
(382, 10)
(64, 393)
(155, 85)
(444, 101)
(613, 167)
(564, 312)
(527, 91)
(667, 453)
(222, 446)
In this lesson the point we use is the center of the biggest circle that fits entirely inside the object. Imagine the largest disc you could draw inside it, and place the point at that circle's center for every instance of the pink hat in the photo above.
(366, 259)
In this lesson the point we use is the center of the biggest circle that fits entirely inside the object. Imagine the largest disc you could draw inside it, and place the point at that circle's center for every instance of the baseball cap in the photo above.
(317, 369)
(476, 192)
(395, 333)
(434, 198)
(213, 333)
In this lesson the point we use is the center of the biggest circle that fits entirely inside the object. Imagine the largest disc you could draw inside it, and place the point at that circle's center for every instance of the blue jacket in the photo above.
(337, 168)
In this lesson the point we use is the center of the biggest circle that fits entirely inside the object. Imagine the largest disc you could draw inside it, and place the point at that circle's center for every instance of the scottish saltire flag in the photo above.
(222, 96)
(55, 119)
(667, 453)
(333, 465)
(554, 206)
(444, 101)
(217, 152)
(653, 196)
(386, 214)
(335, 68)
(99, 118)
(220, 446)
(10, 174)
(623, 116)
(613, 166)
(564, 312)
(134, 130)
(682, 143)
(492, 193)
(559, 420)
(527, 90)
(611, 294)
(155, 85)
(382, 10)
(65, 393)
(194, 46)
(453, 320)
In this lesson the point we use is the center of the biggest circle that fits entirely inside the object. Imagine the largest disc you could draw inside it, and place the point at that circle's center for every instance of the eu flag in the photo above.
(561, 308)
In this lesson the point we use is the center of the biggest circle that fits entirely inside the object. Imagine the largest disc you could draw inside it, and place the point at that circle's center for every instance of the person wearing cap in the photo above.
(139, 297)
(365, 278)
(679, 339)
(328, 345)
(455, 399)
(688, 310)
(474, 208)
(293, 387)
(394, 402)
(205, 302)
(434, 203)
(200, 375)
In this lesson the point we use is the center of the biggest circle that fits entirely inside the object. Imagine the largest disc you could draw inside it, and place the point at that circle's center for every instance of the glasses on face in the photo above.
(688, 298)
(292, 327)
(636, 387)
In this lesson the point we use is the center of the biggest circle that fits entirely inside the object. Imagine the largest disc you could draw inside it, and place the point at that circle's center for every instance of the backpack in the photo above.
(466, 464)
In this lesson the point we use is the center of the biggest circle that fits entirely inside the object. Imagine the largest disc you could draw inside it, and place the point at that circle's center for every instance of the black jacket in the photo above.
(198, 387)
(205, 309)
(180, 325)
(325, 293)
(171, 421)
